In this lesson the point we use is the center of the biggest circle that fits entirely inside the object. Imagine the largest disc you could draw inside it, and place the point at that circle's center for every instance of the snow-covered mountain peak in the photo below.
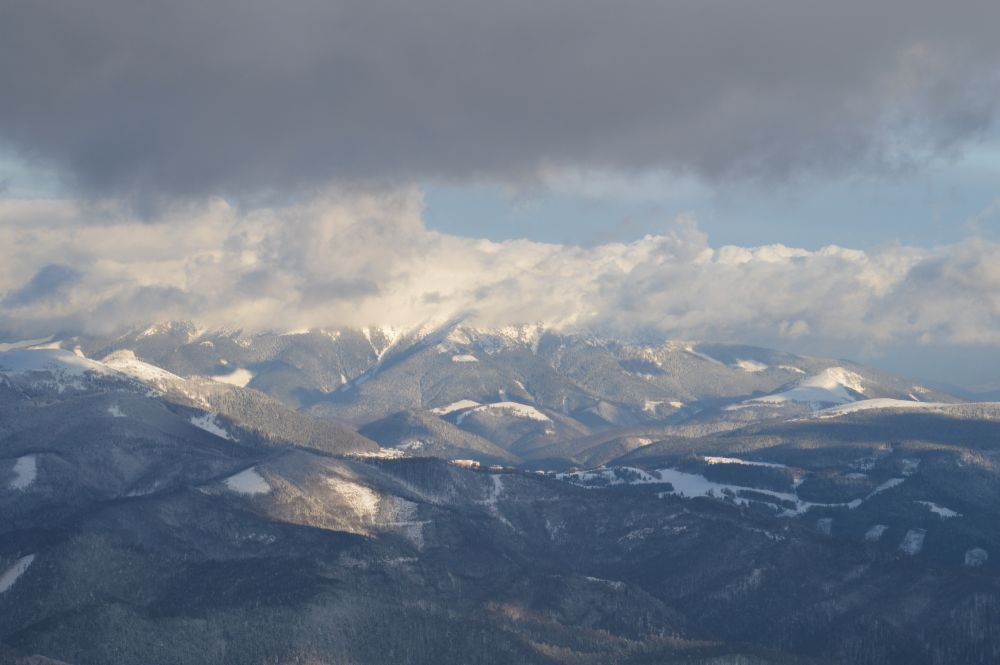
(834, 385)
(126, 362)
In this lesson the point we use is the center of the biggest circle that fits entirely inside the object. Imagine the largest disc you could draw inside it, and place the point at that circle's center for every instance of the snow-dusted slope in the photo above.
(834, 385)
(515, 409)
(55, 361)
(889, 404)
(126, 362)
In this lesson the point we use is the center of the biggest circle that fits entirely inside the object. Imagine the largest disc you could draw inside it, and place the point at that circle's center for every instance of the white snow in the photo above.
(492, 501)
(887, 485)
(877, 403)
(389, 334)
(874, 534)
(381, 453)
(464, 358)
(976, 557)
(527, 335)
(239, 377)
(207, 422)
(455, 406)
(25, 472)
(694, 485)
(690, 485)
(515, 409)
(55, 344)
(940, 510)
(24, 344)
(831, 386)
(751, 366)
(247, 482)
(361, 500)
(913, 541)
(115, 411)
(790, 368)
(55, 361)
(12, 574)
(709, 459)
(410, 445)
(127, 363)
(698, 354)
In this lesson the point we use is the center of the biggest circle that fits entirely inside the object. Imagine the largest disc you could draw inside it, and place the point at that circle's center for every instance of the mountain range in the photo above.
(456, 494)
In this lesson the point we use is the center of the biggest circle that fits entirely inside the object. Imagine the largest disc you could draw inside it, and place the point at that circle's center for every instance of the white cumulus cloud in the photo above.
(361, 258)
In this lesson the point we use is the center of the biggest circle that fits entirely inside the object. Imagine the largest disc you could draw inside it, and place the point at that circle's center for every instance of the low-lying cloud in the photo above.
(351, 259)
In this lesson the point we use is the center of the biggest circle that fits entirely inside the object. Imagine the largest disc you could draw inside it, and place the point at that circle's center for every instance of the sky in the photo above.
(812, 176)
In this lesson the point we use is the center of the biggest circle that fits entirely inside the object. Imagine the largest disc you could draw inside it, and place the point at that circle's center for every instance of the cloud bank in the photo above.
(247, 98)
(355, 259)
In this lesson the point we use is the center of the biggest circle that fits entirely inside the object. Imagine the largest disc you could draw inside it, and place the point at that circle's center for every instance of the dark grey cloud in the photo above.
(250, 97)
(50, 281)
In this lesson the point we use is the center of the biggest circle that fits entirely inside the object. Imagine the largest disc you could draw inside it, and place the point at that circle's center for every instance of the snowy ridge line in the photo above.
(516, 409)
(889, 403)
(455, 406)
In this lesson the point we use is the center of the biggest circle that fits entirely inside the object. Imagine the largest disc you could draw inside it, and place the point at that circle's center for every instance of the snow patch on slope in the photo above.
(913, 541)
(25, 472)
(362, 501)
(208, 422)
(691, 485)
(689, 348)
(492, 500)
(239, 377)
(710, 459)
(887, 485)
(126, 362)
(515, 409)
(12, 574)
(455, 406)
(874, 534)
(247, 482)
(976, 557)
(878, 403)
(940, 510)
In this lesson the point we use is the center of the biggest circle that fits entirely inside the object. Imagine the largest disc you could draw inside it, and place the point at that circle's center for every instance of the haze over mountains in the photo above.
(448, 493)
